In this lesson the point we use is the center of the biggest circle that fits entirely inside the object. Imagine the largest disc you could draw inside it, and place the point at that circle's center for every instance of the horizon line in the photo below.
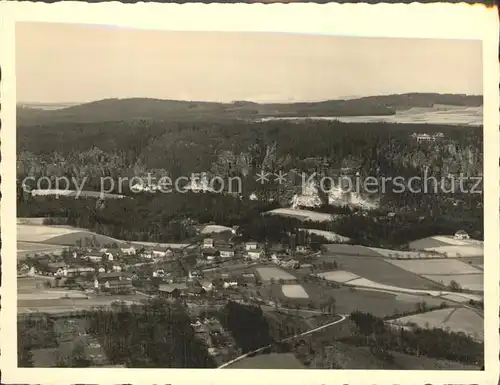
(291, 101)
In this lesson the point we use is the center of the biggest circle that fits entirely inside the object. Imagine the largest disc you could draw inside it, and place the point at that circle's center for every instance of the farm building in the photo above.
(255, 254)
(128, 250)
(461, 234)
(94, 256)
(251, 246)
(226, 252)
(118, 286)
(172, 290)
(208, 243)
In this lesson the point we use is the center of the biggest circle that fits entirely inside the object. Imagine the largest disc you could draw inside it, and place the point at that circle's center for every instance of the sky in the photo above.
(66, 63)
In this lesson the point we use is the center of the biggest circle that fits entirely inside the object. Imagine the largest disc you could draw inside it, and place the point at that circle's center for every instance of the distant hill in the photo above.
(176, 110)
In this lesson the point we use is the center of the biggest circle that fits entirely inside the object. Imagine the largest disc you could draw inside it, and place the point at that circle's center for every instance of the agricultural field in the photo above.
(269, 361)
(304, 215)
(462, 297)
(472, 282)
(34, 233)
(209, 229)
(59, 235)
(266, 273)
(25, 249)
(328, 235)
(386, 253)
(443, 240)
(436, 266)
(380, 270)
(338, 276)
(477, 262)
(457, 320)
(449, 246)
(369, 284)
(355, 250)
(347, 300)
(294, 291)
(459, 251)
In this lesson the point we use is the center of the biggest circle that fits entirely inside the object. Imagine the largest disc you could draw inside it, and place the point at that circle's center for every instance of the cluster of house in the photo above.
(212, 250)
(426, 137)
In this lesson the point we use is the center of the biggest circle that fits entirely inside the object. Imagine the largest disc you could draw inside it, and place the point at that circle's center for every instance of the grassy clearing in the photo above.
(354, 250)
(338, 276)
(328, 235)
(348, 300)
(266, 273)
(304, 215)
(387, 253)
(459, 251)
(269, 361)
(209, 229)
(73, 238)
(34, 233)
(455, 320)
(436, 266)
(380, 270)
(466, 281)
(294, 291)
(425, 243)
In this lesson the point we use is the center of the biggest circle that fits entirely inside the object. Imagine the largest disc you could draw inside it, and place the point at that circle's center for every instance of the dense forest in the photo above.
(87, 152)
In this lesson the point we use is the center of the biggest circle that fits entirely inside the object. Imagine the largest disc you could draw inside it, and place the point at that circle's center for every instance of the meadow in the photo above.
(268, 273)
(303, 215)
(436, 266)
(457, 320)
(379, 270)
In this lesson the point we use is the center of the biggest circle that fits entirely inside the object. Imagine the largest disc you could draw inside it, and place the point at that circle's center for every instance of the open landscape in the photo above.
(269, 250)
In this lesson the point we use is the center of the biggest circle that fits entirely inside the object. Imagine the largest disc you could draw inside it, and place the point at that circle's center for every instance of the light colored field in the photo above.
(165, 245)
(459, 251)
(462, 297)
(386, 253)
(455, 320)
(468, 322)
(34, 233)
(305, 215)
(435, 266)
(266, 273)
(328, 235)
(450, 240)
(338, 276)
(209, 229)
(363, 282)
(431, 319)
(466, 281)
(294, 291)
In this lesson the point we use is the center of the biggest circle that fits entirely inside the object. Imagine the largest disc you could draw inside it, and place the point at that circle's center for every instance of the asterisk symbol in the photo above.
(280, 177)
(262, 177)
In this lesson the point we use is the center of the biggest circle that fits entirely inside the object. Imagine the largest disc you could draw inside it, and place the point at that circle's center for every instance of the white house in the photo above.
(228, 284)
(108, 255)
(208, 243)
(128, 250)
(226, 252)
(255, 254)
(461, 234)
(251, 246)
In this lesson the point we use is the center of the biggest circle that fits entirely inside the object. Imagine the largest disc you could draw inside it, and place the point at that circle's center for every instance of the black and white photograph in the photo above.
(248, 200)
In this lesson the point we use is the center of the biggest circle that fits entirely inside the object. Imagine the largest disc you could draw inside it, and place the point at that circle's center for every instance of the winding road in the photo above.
(342, 318)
